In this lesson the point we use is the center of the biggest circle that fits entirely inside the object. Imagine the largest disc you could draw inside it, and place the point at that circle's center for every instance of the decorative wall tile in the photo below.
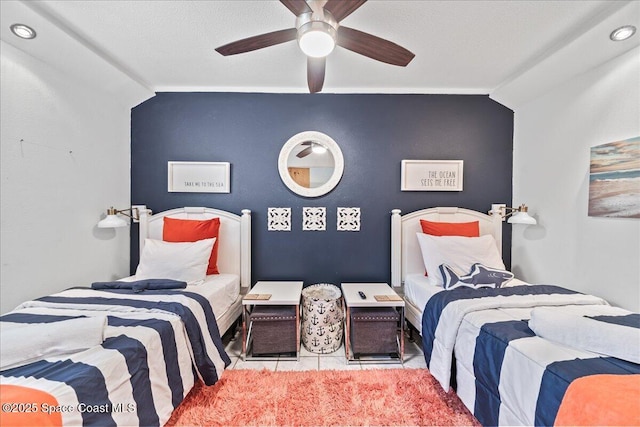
(348, 219)
(279, 219)
(314, 219)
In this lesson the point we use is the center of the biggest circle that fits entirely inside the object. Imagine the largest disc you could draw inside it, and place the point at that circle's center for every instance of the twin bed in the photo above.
(129, 352)
(517, 354)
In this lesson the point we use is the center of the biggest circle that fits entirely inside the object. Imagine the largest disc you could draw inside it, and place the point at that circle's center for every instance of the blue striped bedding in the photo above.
(504, 373)
(156, 344)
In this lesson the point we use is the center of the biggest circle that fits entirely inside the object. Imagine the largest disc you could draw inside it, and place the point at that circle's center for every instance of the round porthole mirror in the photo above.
(311, 164)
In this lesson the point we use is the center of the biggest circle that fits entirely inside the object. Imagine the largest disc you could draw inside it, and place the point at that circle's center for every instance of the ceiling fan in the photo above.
(312, 147)
(318, 31)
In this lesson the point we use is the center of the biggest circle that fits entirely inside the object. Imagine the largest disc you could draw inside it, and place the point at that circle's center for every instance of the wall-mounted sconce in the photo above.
(114, 221)
(519, 215)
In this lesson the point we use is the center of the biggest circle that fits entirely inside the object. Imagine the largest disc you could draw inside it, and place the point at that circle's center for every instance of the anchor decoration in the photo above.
(314, 320)
(321, 308)
(309, 306)
(322, 320)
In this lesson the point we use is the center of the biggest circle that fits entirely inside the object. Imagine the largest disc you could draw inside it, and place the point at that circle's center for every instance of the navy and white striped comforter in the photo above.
(505, 374)
(156, 344)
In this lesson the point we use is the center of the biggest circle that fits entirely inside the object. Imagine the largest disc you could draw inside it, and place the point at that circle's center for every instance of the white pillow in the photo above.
(184, 261)
(460, 253)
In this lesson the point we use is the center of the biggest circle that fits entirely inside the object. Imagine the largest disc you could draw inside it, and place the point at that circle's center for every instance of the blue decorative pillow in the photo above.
(480, 276)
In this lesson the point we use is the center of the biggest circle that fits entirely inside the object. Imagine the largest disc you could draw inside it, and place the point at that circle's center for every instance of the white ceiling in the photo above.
(511, 50)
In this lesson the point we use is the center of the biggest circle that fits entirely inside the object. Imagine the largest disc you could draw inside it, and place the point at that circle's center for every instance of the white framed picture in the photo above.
(431, 175)
(199, 177)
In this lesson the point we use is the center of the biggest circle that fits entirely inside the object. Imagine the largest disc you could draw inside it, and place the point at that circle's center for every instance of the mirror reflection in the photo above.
(310, 164)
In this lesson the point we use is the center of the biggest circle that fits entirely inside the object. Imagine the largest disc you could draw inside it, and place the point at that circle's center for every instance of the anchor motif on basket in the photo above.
(328, 340)
(321, 308)
(315, 342)
(332, 328)
(309, 306)
(309, 330)
(321, 331)
(314, 320)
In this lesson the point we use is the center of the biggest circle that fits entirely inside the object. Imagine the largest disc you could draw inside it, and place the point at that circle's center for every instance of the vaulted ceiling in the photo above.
(511, 50)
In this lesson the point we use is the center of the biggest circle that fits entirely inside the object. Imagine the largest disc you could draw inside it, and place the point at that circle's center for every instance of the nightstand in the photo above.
(271, 320)
(374, 329)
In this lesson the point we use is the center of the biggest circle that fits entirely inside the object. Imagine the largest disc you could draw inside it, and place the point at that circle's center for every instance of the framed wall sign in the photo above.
(431, 175)
(199, 177)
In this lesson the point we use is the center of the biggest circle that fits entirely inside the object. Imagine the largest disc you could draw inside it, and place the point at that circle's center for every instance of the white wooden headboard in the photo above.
(234, 239)
(406, 257)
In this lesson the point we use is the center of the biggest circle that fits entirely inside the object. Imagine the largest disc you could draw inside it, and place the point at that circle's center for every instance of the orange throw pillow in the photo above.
(465, 229)
(191, 230)
(32, 401)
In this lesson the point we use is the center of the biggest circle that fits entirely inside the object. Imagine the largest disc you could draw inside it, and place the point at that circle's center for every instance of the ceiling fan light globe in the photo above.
(317, 39)
(319, 148)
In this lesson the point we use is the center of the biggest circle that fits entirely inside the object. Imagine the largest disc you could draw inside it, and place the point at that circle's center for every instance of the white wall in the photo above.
(65, 156)
(552, 139)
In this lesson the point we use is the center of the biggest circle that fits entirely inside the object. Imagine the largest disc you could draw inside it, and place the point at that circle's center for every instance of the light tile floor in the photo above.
(413, 359)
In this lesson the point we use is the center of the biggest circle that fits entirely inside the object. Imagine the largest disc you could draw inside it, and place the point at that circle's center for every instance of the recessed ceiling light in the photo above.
(23, 31)
(622, 33)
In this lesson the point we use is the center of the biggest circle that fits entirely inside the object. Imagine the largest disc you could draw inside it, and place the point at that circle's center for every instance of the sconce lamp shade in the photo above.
(112, 221)
(522, 218)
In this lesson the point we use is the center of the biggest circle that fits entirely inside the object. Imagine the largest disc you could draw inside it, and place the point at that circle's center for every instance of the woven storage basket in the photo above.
(374, 330)
(322, 318)
(273, 329)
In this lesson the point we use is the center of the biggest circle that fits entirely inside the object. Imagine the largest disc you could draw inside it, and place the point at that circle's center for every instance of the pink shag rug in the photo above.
(384, 397)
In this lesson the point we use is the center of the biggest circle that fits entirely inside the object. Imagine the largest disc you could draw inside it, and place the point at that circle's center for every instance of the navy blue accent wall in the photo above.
(374, 131)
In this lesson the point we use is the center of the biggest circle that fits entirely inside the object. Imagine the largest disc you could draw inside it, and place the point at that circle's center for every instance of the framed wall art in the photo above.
(614, 179)
(199, 177)
(431, 175)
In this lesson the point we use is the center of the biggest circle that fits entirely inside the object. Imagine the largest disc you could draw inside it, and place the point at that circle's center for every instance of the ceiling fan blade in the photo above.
(258, 42)
(305, 152)
(340, 9)
(373, 47)
(296, 6)
(315, 73)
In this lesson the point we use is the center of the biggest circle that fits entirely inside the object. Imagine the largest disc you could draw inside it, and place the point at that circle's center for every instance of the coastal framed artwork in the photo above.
(614, 179)
(431, 175)
(199, 177)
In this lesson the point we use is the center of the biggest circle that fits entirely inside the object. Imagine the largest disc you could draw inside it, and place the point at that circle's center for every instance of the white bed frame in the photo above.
(234, 250)
(406, 257)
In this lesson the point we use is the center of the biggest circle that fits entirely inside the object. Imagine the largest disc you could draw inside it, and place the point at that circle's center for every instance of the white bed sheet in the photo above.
(222, 290)
(418, 289)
